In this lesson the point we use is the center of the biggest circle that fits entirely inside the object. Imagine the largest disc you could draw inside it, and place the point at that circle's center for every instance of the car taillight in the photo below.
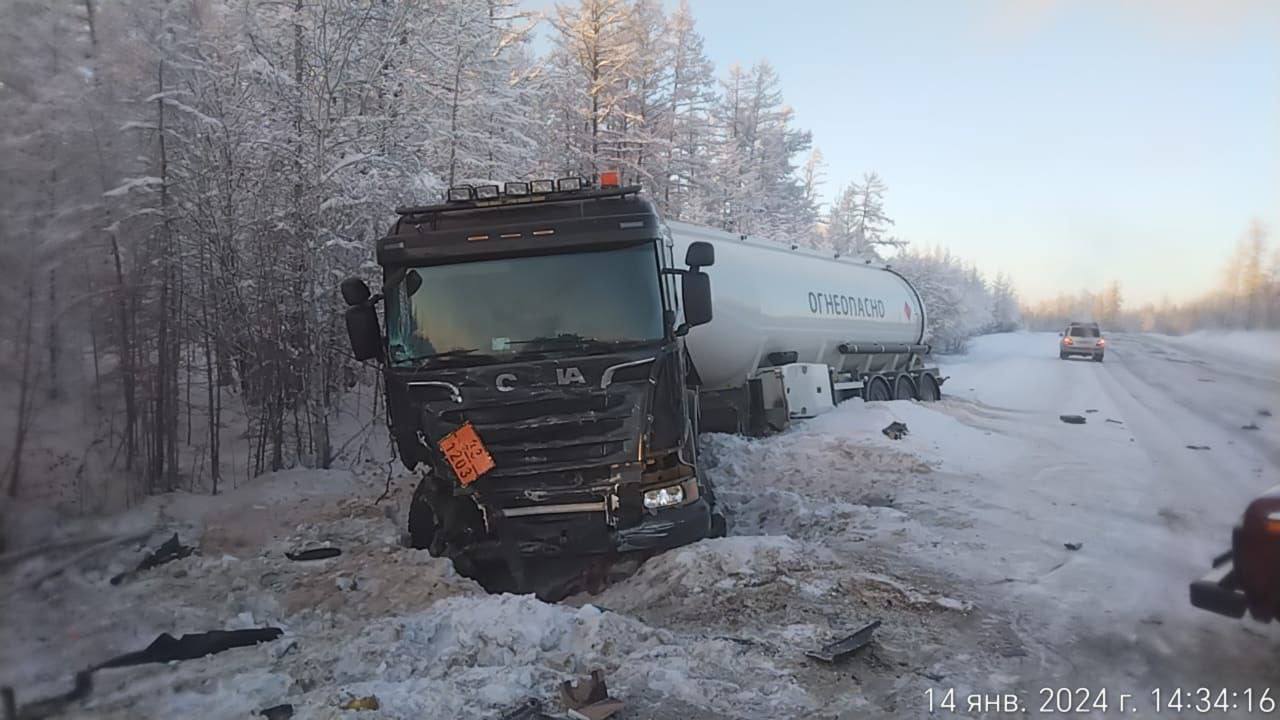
(1068, 341)
(1256, 555)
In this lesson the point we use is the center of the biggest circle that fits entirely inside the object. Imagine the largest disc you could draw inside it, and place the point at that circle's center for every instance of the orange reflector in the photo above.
(1272, 527)
(610, 179)
(466, 454)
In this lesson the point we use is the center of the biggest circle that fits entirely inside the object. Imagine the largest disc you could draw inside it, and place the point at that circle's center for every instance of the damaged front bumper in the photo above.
(1218, 591)
(585, 532)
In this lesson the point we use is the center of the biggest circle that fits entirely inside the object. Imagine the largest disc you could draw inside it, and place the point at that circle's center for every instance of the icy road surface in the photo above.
(953, 537)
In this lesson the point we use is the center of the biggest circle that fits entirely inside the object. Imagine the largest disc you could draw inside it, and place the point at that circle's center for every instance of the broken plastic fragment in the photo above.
(323, 553)
(895, 430)
(832, 652)
(368, 702)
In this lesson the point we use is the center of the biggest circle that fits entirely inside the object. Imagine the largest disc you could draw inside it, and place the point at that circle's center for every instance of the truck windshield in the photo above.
(498, 309)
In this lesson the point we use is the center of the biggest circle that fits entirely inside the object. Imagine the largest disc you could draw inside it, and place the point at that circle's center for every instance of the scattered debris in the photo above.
(47, 707)
(86, 553)
(877, 500)
(1250, 426)
(321, 553)
(172, 549)
(1092, 410)
(1205, 379)
(1264, 412)
(1113, 420)
(895, 430)
(597, 711)
(368, 702)
(1073, 546)
(167, 648)
(1198, 447)
(1072, 419)
(283, 711)
(584, 692)
(588, 699)
(840, 648)
(530, 709)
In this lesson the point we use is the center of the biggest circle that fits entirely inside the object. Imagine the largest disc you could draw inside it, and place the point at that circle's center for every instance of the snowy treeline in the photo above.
(959, 301)
(1247, 298)
(184, 182)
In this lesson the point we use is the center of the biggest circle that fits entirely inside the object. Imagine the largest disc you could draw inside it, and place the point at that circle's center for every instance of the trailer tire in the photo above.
(904, 388)
(927, 390)
(878, 390)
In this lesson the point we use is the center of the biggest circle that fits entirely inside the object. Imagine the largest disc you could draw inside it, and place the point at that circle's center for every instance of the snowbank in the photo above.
(1256, 345)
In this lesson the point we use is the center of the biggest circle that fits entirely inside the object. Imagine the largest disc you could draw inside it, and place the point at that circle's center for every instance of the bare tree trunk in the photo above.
(128, 377)
(23, 424)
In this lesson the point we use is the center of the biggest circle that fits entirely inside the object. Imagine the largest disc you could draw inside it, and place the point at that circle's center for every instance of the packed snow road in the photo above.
(955, 537)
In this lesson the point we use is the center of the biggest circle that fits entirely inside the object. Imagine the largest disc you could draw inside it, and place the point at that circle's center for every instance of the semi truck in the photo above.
(549, 366)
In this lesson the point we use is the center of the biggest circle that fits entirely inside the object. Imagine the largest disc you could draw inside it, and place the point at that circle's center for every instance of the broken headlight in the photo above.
(663, 497)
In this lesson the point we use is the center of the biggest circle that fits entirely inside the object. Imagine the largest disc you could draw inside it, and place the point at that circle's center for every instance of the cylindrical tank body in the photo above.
(768, 298)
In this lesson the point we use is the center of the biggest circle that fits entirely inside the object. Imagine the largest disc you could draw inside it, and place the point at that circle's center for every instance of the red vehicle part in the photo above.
(1248, 577)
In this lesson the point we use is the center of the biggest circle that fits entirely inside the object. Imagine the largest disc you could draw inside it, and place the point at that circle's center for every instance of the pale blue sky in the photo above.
(1065, 142)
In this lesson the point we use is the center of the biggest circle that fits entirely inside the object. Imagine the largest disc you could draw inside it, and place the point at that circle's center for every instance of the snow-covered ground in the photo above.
(954, 537)
(1256, 345)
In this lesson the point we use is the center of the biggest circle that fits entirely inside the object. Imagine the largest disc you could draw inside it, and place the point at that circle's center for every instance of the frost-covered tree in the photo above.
(757, 189)
(858, 224)
(593, 55)
(689, 134)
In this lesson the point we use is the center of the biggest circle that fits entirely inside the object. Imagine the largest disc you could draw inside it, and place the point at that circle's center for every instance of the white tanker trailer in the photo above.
(796, 331)
(552, 352)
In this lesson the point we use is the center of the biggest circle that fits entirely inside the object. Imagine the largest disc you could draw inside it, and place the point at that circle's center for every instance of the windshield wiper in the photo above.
(458, 352)
(577, 341)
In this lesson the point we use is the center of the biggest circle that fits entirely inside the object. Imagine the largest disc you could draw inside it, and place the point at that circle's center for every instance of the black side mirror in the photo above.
(695, 287)
(362, 320)
(364, 332)
(354, 291)
(699, 255)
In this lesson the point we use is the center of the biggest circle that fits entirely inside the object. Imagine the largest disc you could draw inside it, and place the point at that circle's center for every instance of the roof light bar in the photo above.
(539, 187)
(569, 184)
(462, 193)
(487, 192)
(610, 179)
(516, 189)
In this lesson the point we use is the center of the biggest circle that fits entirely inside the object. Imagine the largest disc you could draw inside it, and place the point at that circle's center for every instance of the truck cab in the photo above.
(533, 356)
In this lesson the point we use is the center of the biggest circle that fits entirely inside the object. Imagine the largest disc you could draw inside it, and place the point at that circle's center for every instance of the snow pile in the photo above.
(470, 657)
(825, 478)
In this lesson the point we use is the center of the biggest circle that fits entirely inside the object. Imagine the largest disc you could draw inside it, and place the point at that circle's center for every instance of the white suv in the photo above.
(1082, 339)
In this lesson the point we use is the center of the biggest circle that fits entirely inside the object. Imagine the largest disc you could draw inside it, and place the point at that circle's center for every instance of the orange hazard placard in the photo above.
(466, 454)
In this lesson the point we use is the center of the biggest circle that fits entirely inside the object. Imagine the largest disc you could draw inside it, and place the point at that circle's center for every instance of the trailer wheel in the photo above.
(878, 390)
(904, 388)
(928, 390)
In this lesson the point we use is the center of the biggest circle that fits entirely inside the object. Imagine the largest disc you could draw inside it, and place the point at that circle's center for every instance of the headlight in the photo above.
(663, 497)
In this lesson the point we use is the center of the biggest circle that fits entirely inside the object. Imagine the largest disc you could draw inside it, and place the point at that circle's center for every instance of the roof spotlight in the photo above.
(515, 189)
(487, 192)
(461, 193)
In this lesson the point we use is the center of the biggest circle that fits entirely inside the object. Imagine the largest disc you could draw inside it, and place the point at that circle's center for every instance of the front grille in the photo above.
(555, 435)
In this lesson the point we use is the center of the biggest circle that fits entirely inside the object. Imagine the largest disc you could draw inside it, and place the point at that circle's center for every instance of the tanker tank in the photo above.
(772, 300)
